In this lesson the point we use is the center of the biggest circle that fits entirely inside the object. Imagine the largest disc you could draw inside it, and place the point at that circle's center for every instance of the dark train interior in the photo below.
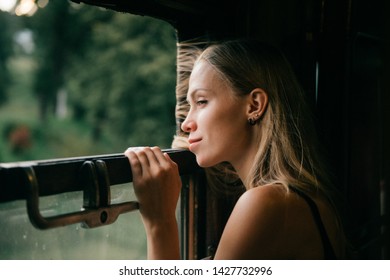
(339, 51)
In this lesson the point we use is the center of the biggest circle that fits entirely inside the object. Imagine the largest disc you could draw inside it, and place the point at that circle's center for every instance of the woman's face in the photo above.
(217, 120)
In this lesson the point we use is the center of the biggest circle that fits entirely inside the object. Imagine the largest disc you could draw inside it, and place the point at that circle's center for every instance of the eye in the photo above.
(201, 102)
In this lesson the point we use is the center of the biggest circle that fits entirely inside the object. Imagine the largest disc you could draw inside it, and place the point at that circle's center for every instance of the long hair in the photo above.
(222, 177)
(288, 149)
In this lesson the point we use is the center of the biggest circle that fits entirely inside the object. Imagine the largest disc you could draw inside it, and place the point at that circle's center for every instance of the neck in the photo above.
(244, 161)
(243, 165)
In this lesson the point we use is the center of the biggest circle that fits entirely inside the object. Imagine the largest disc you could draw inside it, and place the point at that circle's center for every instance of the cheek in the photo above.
(221, 122)
(231, 122)
(228, 133)
(234, 131)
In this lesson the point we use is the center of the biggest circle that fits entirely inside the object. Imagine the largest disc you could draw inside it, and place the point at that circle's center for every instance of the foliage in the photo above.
(118, 72)
(5, 53)
(125, 83)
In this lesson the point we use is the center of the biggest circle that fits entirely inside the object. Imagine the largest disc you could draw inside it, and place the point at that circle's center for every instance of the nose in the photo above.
(188, 124)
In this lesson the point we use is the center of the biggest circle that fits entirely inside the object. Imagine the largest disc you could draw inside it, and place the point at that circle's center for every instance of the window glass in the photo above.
(77, 80)
(124, 239)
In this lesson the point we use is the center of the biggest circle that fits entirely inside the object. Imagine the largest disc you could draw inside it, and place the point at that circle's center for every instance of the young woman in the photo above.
(247, 109)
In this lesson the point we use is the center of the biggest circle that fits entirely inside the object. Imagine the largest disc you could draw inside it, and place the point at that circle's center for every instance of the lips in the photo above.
(193, 142)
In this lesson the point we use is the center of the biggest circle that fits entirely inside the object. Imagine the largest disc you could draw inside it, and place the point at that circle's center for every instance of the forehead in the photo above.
(205, 77)
(202, 71)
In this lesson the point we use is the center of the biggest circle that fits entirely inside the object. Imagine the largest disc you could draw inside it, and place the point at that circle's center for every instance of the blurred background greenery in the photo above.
(79, 80)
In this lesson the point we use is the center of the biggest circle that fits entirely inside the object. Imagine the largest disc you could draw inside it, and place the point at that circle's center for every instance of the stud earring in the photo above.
(252, 121)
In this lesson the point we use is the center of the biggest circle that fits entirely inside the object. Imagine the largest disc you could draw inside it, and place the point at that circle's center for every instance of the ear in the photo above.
(257, 103)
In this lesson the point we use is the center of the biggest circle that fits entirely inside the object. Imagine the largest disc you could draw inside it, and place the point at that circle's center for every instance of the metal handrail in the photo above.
(94, 176)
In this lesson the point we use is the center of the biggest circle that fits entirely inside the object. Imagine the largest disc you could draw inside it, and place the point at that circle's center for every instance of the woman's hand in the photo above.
(157, 186)
(156, 183)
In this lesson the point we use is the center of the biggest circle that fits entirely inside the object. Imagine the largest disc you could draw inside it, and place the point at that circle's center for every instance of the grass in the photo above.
(50, 139)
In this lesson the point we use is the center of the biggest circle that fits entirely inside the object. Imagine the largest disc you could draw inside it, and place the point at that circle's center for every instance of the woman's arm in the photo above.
(157, 187)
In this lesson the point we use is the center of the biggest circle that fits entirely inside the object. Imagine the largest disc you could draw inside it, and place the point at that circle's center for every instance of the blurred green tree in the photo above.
(56, 34)
(5, 53)
(125, 83)
(117, 70)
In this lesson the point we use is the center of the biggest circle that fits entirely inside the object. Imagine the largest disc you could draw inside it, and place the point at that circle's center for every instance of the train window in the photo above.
(124, 239)
(76, 80)
(82, 80)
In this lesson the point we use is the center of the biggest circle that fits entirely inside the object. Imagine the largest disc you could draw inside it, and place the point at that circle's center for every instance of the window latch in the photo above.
(97, 209)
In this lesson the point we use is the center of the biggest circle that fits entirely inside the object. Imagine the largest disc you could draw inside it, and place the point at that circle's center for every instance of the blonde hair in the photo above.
(288, 151)
(221, 178)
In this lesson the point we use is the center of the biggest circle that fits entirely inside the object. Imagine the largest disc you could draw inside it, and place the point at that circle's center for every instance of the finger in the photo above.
(152, 158)
(136, 167)
(143, 158)
(160, 156)
(168, 159)
(134, 149)
(164, 159)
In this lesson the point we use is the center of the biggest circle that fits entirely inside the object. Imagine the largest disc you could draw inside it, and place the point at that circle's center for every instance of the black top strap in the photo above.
(329, 253)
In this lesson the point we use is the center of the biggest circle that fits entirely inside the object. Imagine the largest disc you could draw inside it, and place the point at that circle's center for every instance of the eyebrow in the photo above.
(190, 96)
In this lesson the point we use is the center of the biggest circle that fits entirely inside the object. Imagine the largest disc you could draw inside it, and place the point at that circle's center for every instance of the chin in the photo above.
(204, 162)
(204, 165)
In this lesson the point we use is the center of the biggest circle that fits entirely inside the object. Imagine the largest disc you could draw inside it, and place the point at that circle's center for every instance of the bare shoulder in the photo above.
(269, 195)
(257, 225)
(270, 222)
(265, 204)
